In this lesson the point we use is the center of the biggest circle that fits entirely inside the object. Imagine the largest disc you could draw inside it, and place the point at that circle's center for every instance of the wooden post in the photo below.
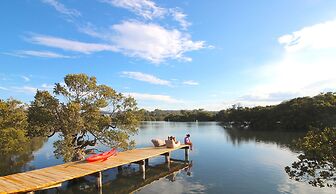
(99, 180)
(186, 154)
(167, 157)
(100, 190)
(142, 168)
(119, 169)
(147, 162)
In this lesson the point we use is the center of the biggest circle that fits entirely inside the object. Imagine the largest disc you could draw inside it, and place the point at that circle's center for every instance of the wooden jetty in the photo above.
(54, 176)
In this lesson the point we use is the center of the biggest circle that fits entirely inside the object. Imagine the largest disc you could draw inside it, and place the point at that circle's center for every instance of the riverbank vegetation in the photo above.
(178, 115)
(301, 114)
(297, 114)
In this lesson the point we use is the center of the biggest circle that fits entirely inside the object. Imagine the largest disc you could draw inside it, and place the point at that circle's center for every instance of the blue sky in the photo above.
(176, 54)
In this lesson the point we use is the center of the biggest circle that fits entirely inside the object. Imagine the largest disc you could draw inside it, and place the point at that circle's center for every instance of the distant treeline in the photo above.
(297, 114)
(179, 115)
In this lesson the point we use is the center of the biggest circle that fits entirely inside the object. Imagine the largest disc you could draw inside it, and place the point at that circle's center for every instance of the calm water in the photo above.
(223, 161)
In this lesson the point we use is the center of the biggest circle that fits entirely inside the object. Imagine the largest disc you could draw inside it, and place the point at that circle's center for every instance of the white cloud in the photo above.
(180, 185)
(180, 17)
(25, 89)
(153, 42)
(71, 45)
(147, 41)
(319, 36)
(47, 86)
(139, 39)
(146, 78)
(43, 54)
(27, 79)
(3, 88)
(148, 10)
(62, 9)
(144, 8)
(306, 68)
(301, 73)
(154, 97)
(287, 185)
(191, 82)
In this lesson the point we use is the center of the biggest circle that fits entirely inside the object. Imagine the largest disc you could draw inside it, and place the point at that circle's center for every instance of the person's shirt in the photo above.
(186, 140)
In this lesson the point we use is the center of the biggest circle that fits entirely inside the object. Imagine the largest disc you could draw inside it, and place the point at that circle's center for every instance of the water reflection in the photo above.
(282, 139)
(18, 161)
(129, 183)
(128, 180)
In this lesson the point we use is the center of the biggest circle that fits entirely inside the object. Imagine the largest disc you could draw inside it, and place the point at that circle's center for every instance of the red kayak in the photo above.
(102, 156)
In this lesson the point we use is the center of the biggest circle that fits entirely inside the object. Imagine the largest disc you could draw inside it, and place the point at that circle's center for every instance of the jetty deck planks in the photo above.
(50, 176)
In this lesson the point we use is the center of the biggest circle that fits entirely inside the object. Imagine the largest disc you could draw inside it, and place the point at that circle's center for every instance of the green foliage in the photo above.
(296, 114)
(17, 160)
(193, 115)
(178, 116)
(156, 115)
(13, 123)
(317, 164)
(15, 147)
(320, 145)
(75, 113)
(41, 117)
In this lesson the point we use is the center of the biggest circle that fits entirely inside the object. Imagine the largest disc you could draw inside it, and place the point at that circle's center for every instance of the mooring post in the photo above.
(119, 169)
(99, 180)
(186, 154)
(167, 157)
(147, 162)
(142, 168)
(100, 190)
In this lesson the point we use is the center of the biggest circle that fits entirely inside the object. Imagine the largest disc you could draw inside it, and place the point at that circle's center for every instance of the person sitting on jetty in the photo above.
(187, 141)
